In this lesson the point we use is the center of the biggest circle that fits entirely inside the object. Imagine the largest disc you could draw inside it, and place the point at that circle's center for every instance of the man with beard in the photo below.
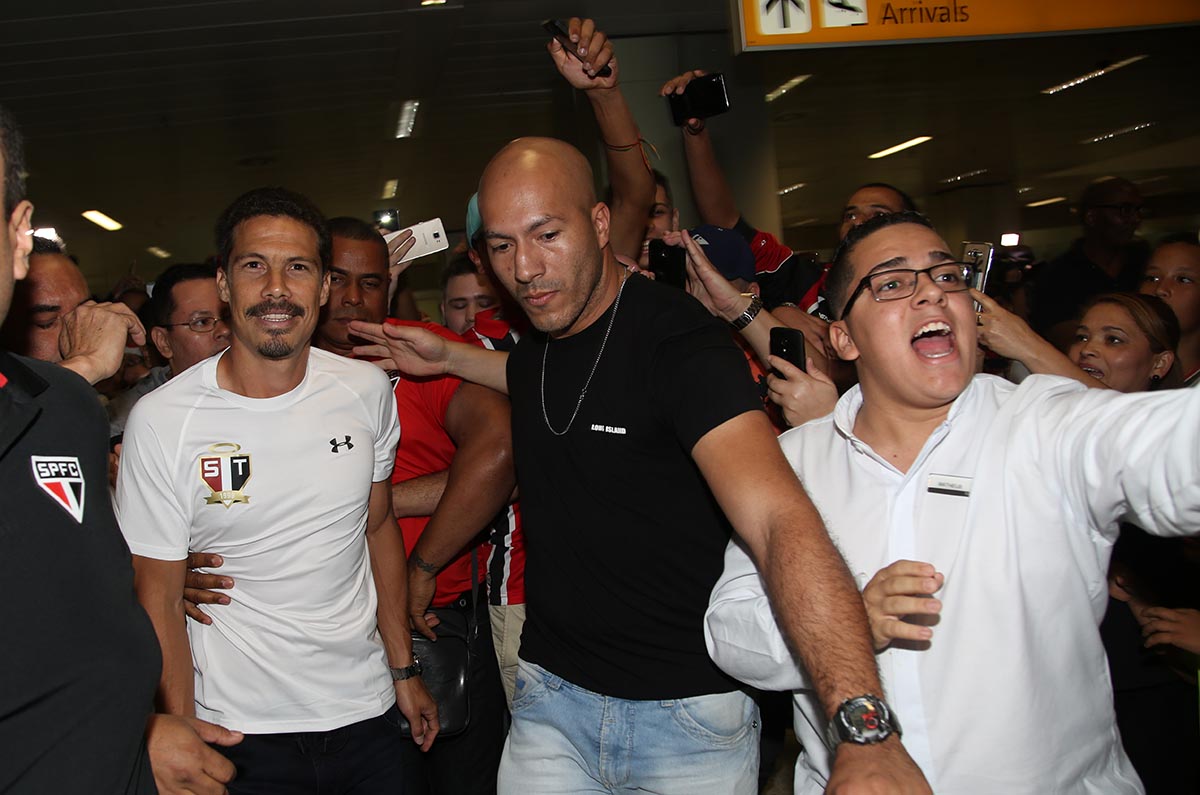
(278, 457)
(615, 691)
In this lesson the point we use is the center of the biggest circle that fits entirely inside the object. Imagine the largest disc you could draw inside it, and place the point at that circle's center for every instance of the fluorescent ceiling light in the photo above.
(1114, 133)
(1025, 189)
(786, 87)
(389, 189)
(161, 253)
(408, 118)
(100, 219)
(47, 232)
(433, 2)
(1091, 75)
(961, 177)
(1010, 239)
(790, 188)
(901, 147)
(1044, 202)
(805, 222)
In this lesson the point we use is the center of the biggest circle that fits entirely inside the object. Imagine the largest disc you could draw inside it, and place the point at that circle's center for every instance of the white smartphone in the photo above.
(430, 237)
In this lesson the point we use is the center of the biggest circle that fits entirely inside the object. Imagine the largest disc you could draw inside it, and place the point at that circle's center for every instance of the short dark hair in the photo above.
(44, 245)
(459, 266)
(660, 180)
(841, 273)
(276, 202)
(12, 146)
(906, 201)
(349, 228)
(162, 304)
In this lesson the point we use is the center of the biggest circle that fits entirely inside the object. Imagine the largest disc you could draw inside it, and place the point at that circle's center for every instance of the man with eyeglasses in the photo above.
(1106, 259)
(188, 324)
(978, 517)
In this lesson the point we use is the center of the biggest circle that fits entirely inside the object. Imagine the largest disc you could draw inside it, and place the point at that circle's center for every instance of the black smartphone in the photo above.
(387, 219)
(559, 31)
(668, 264)
(788, 344)
(703, 97)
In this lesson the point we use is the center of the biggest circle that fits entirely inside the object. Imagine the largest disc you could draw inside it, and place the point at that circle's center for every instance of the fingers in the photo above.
(213, 733)
(205, 560)
(908, 606)
(787, 370)
(906, 584)
(432, 725)
(421, 625)
(985, 301)
(198, 588)
(583, 39)
(368, 331)
(377, 352)
(911, 568)
(892, 629)
(195, 613)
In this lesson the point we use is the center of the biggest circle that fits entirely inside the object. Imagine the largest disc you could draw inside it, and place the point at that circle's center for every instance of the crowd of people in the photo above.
(636, 518)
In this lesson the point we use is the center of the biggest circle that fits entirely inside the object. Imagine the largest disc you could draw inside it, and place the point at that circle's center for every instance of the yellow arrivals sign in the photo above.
(795, 24)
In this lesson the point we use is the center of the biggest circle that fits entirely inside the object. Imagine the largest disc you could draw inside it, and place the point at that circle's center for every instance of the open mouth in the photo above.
(934, 340)
(1092, 371)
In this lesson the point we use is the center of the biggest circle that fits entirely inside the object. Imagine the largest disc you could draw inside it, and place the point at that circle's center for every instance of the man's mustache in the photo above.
(275, 307)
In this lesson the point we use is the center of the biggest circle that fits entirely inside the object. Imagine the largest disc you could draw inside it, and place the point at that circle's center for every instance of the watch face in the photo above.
(866, 720)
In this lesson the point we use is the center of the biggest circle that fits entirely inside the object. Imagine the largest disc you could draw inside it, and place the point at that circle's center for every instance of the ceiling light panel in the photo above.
(909, 144)
(786, 87)
(1092, 75)
(101, 220)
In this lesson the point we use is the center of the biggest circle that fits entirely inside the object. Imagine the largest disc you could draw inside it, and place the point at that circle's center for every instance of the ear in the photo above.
(20, 237)
(325, 277)
(158, 335)
(843, 344)
(1162, 363)
(222, 285)
(473, 255)
(600, 221)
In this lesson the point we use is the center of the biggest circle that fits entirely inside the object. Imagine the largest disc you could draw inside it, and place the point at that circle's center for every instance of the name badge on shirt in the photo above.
(954, 485)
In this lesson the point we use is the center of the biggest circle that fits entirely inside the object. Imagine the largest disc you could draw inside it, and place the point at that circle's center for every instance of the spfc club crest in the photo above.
(225, 472)
(61, 478)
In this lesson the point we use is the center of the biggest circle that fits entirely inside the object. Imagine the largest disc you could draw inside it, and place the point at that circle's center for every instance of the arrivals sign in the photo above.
(796, 24)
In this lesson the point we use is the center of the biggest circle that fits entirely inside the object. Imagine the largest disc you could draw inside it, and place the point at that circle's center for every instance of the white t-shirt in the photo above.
(279, 487)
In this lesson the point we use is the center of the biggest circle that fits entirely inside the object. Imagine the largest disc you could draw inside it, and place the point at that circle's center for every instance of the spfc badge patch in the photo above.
(62, 478)
(225, 472)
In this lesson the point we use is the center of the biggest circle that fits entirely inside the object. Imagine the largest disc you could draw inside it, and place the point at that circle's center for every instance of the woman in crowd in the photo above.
(1127, 342)
(1173, 274)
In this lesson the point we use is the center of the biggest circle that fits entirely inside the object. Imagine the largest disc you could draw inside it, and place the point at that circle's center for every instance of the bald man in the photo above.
(630, 382)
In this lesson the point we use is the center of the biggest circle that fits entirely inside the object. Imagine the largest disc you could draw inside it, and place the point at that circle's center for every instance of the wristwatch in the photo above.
(407, 672)
(864, 720)
(751, 312)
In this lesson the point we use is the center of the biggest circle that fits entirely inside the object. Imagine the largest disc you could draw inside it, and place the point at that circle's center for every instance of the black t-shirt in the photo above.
(1065, 285)
(624, 540)
(80, 661)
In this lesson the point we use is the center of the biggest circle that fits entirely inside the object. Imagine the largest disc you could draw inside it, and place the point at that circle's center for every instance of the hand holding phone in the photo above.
(668, 264)
(386, 220)
(703, 95)
(580, 40)
(788, 344)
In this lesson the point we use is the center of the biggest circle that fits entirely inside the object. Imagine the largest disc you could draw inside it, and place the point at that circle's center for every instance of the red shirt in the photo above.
(425, 448)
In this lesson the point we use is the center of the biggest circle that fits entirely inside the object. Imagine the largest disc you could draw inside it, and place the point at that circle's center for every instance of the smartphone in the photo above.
(430, 237)
(979, 256)
(788, 344)
(559, 31)
(703, 97)
(668, 264)
(387, 219)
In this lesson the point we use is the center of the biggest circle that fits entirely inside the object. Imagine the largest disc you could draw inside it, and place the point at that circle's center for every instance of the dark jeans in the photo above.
(363, 758)
(466, 764)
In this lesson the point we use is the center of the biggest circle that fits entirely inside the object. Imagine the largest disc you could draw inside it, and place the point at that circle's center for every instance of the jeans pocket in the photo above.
(532, 683)
(722, 720)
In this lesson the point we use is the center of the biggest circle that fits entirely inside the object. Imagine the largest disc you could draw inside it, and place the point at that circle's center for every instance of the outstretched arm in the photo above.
(419, 352)
(714, 199)
(628, 169)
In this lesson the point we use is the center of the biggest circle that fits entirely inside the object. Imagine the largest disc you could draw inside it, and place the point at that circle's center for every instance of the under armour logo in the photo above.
(337, 446)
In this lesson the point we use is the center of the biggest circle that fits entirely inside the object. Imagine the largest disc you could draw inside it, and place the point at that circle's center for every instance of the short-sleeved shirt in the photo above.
(426, 448)
(80, 662)
(624, 538)
(279, 487)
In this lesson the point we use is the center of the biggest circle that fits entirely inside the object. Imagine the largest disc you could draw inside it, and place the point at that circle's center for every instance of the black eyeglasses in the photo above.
(201, 325)
(893, 285)
(1127, 209)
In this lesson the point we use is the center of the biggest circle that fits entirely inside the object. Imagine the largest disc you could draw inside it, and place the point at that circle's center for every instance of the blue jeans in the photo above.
(359, 759)
(565, 739)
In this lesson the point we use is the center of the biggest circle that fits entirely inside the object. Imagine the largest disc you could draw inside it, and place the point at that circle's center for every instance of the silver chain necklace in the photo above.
(546, 352)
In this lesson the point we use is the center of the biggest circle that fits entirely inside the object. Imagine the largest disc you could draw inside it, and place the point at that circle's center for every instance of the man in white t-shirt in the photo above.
(980, 516)
(278, 457)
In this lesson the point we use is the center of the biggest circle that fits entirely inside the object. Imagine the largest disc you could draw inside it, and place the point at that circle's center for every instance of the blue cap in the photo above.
(727, 250)
(474, 219)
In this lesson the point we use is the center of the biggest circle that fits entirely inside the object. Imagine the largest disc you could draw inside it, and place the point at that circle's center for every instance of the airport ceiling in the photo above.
(158, 114)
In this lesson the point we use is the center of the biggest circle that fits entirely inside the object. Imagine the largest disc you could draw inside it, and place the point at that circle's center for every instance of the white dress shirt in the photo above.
(1016, 498)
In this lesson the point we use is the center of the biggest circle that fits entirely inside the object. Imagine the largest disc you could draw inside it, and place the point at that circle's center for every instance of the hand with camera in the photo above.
(802, 395)
(676, 86)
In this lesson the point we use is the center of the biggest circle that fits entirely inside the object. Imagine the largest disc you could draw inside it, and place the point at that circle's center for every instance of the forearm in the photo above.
(418, 496)
(479, 366)
(89, 369)
(388, 569)
(714, 199)
(629, 173)
(163, 602)
(1043, 358)
(818, 605)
